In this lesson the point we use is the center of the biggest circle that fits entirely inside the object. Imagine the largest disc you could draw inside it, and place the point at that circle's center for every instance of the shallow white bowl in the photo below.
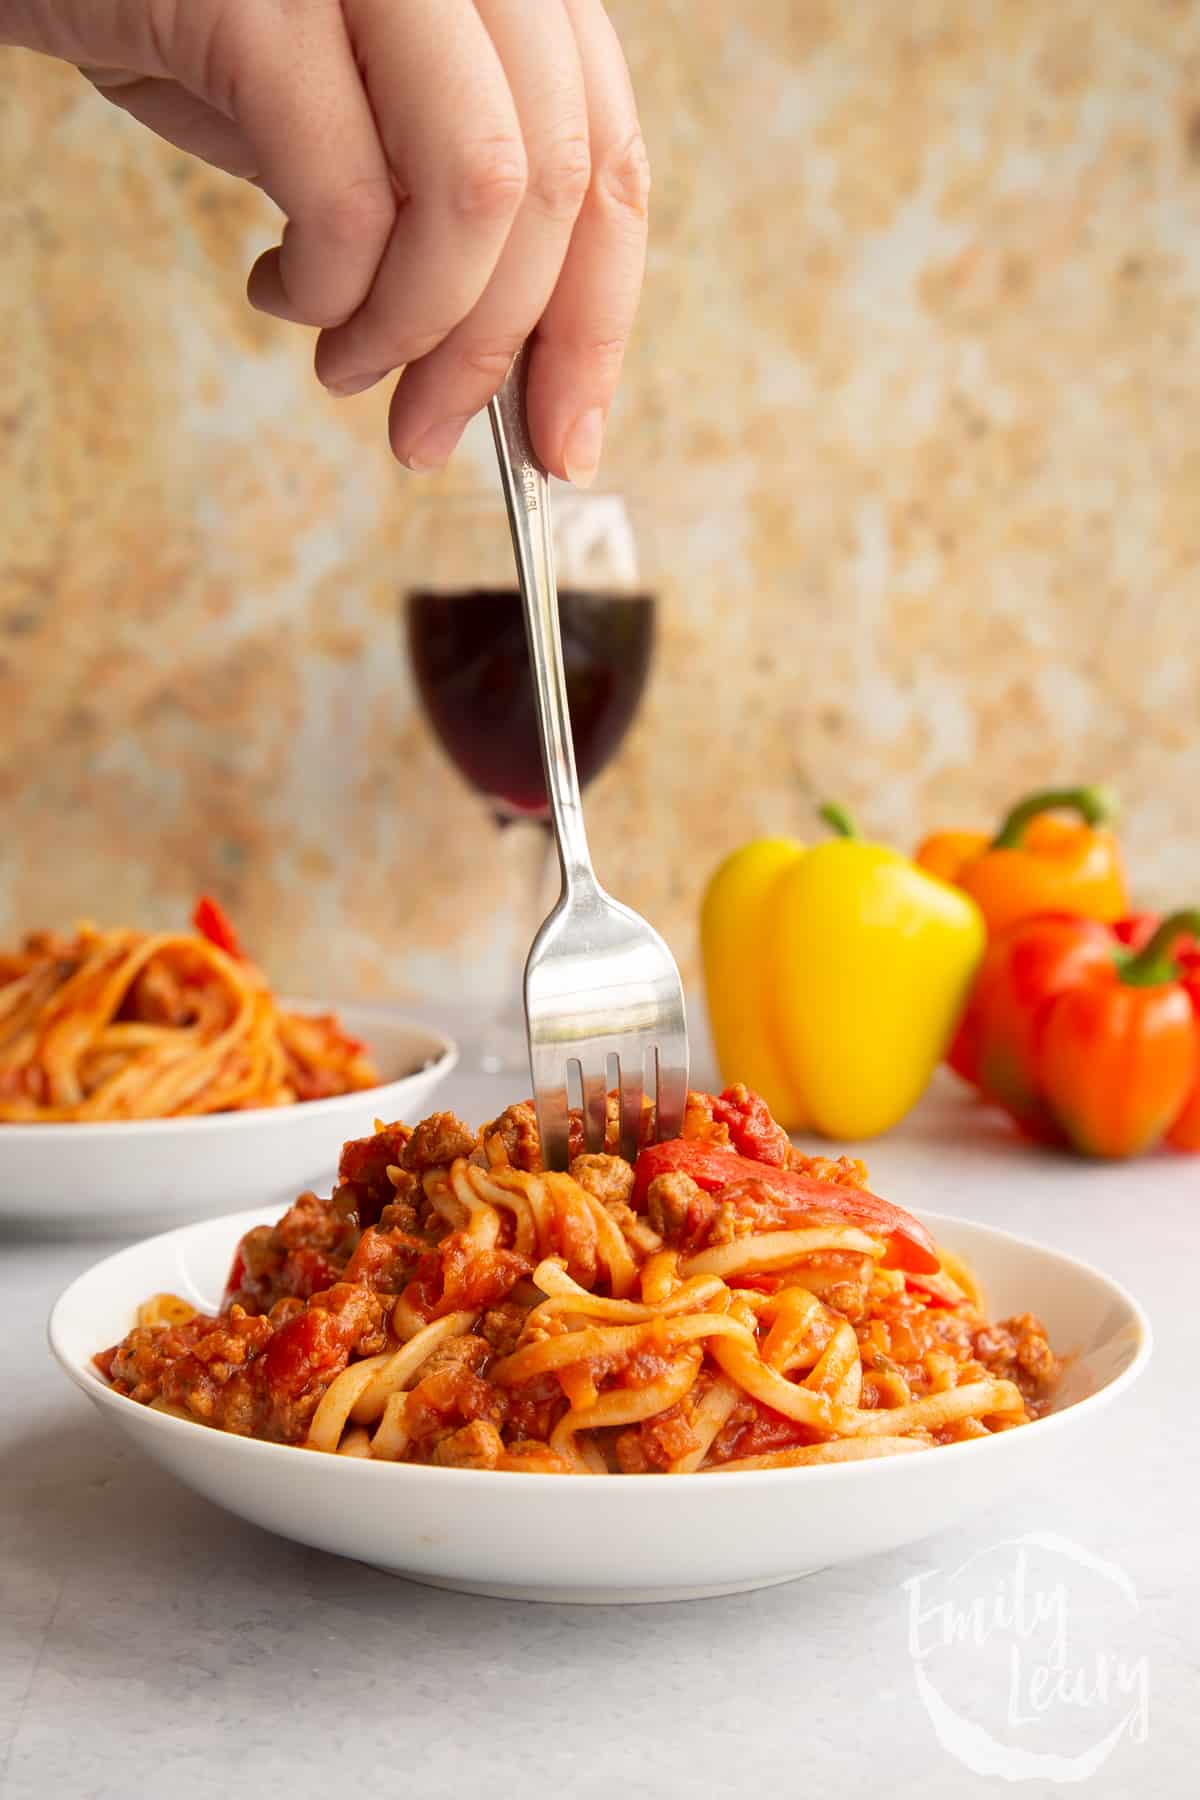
(147, 1172)
(610, 1538)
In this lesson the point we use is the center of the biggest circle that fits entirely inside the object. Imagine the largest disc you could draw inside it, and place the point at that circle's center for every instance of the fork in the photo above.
(601, 986)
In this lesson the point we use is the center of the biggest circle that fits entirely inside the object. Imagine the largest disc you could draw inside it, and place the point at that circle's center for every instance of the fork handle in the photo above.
(527, 497)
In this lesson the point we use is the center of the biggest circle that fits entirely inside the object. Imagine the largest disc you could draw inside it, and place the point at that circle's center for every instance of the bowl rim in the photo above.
(90, 1382)
(443, 1058)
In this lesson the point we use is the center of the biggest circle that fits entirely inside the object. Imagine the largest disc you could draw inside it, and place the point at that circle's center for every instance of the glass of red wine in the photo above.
(466, 640)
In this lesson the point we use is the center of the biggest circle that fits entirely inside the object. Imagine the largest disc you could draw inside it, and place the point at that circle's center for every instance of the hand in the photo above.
(455, 175)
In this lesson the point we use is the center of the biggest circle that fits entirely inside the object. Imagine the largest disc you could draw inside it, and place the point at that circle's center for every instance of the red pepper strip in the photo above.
(310, 1344)
(212, 921)
(909, 1244)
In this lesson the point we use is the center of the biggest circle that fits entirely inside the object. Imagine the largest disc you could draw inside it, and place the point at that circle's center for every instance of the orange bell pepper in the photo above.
(1038, 862)
(1089, 1044)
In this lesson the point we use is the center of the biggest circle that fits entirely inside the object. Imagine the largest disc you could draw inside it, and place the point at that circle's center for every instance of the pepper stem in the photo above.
(1095, 806)
(1154, 963)
(839, 820)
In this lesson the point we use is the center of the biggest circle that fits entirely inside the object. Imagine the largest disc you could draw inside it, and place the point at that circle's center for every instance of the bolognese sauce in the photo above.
(723, 1302)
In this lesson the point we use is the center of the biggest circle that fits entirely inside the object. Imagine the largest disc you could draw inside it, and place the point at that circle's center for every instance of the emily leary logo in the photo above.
(1025, 1659)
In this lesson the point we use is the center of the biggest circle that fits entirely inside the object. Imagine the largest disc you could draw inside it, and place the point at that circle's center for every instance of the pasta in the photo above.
(125, 1024)
(454, 1303)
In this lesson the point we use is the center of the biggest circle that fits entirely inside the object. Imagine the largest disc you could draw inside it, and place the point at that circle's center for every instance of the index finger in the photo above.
(580, 343)
(453, 142)
(306, 114)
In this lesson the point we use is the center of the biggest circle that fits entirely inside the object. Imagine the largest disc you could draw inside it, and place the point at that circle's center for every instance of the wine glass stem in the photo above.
(504, 1049)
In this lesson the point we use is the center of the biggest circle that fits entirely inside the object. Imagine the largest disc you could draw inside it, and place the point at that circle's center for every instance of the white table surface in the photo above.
(150, 1644)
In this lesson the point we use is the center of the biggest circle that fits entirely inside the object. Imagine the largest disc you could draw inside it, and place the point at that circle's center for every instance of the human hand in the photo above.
(455, 174)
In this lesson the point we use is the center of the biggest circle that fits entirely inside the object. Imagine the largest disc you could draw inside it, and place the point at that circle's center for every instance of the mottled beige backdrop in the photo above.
(916, 389)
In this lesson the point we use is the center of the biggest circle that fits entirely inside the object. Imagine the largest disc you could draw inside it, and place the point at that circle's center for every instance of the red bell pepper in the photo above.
(1024, 966)
(1136, 931)
(909, 1244)
(1185, 1132)
(1089, 1043)
(213, 922)
(1118, 1053)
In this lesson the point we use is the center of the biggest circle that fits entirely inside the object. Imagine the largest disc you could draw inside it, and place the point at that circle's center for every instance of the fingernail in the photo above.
(354, 384)
(581, 451)
(432, 450)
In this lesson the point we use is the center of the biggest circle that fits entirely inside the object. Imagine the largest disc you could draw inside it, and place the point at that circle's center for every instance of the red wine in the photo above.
(472, 668)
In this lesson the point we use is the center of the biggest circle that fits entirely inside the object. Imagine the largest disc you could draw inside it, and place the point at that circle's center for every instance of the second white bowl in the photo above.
(142, 1173)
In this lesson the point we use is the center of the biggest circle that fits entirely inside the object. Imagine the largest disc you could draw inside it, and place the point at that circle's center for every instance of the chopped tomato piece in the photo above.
(308, 1346)
(751, 1127)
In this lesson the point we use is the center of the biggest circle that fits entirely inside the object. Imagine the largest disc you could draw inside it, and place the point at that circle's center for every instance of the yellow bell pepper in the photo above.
(835, 977)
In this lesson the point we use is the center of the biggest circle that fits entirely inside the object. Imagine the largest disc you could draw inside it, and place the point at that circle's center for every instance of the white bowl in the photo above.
(610, 1538)
(145, 1172)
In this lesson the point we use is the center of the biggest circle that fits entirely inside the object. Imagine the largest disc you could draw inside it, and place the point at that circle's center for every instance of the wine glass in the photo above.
(466, 641)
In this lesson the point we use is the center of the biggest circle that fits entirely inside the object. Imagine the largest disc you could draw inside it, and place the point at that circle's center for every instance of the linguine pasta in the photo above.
(127, 1024)
(454, 1303)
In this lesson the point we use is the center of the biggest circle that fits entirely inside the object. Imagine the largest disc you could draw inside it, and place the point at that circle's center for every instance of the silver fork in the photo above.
(601, 987)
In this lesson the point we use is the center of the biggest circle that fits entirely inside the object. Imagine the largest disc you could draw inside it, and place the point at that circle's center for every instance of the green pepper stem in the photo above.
(839, 820)
(1095, 806)
(1154, 963)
